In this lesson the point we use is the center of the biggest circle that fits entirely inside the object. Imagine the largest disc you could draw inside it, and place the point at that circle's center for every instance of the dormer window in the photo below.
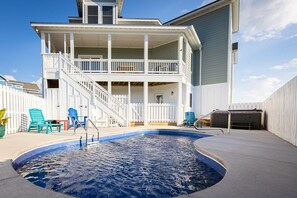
(107, 14)
(99, 13)
(93, 14)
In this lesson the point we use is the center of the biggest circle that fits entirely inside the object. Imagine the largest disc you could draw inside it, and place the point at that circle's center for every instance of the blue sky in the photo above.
(267, 38)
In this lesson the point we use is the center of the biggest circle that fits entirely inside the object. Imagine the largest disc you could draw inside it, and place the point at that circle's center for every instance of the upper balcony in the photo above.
(120, 49)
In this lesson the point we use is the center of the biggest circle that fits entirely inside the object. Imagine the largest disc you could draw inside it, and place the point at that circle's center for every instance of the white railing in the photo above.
(247, 106)
(50, 61)
(92, 65)
(163, 67)
(115, 107)
(127, 66)
(136, 112)
(122, 98)
(17, 104)
(161, 112)
(156, 112)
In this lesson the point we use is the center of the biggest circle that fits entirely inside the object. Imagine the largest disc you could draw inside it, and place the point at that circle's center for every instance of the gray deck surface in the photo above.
(258, 163)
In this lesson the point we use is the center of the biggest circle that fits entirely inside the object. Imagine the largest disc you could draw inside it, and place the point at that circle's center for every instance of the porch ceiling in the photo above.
(118, 41)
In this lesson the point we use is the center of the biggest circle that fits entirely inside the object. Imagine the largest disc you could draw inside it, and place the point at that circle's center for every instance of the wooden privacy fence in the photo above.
(17, 104)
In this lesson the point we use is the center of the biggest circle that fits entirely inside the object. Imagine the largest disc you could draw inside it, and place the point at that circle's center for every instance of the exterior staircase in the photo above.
(115, 109)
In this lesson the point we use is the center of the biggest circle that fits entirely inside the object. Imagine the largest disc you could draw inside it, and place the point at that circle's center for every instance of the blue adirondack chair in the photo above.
(76, 121)
(38, 122)
(189, 118)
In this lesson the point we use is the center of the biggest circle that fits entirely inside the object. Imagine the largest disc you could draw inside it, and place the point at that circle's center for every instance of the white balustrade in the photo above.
(127, 66)
(92, 65)
(163, 67)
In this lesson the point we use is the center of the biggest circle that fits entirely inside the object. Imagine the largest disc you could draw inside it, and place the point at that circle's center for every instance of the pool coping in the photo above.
(258, 164)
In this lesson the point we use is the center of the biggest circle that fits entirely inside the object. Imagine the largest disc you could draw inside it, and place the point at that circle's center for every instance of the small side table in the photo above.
(64, 122)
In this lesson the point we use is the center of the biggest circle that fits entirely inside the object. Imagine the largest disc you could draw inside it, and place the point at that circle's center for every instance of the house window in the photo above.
(52, 83)
(107, 14)
(93, 14)
(159, 99)
(191, 100)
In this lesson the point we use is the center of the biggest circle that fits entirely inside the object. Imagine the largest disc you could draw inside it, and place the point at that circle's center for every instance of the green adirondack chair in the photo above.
(38, 122)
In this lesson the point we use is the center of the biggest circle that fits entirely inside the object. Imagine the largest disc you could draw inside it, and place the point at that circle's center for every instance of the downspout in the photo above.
(200, 79)
(229, 64)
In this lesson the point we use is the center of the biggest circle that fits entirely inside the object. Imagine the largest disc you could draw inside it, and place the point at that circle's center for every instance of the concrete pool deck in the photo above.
(258, 163)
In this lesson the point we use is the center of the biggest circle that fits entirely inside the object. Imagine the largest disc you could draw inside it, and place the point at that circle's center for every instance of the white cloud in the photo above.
(205, 2)
(14, 70)
(289, 65)
(184, 11)
(9, 77)
(38, 82)
(266, 19)
(256, 88)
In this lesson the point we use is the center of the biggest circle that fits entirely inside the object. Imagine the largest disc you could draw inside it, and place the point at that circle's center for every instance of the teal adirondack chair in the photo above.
(190, 119)
(38, 122)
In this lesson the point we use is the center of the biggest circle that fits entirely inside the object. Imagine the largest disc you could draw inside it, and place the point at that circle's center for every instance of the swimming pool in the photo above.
(147, 164)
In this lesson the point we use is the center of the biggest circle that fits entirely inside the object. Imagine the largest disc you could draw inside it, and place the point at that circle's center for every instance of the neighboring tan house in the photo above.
(139, 70)
(30, 88)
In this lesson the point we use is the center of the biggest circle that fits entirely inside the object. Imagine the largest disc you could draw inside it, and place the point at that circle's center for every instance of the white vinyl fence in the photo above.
(281, 112)
(247, 106)
(17, 104)
(156, 112)
(161, 112)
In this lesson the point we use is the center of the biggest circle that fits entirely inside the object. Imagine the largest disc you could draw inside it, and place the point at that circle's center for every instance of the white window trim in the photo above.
(100, 15)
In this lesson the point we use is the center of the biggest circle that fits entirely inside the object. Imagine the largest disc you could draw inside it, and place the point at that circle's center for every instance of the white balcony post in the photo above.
(109, 53)
(49, 43)
(146, 54)
(179, 113)
(180, 53)
(129, 103)
(42, 43)
(65, 45)
(145, 103)
(72, 47)
(109, 87)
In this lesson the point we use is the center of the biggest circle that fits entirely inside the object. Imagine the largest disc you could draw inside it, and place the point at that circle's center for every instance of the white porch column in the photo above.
(145, 103)
(72, 47)
(109, 53)
(180, 53)
(42, 43)
(146, 64)
(129, 103)
(49, 43)
(65, 45)
(179, 112)
(109, 87)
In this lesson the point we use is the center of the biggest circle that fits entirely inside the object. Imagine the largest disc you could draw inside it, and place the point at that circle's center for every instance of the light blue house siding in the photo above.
(212, 29)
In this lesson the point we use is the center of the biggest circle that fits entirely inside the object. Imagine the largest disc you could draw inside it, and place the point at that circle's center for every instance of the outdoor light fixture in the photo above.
(172, 93)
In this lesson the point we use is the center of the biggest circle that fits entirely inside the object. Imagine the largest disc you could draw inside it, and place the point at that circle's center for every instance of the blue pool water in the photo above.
(141, 166)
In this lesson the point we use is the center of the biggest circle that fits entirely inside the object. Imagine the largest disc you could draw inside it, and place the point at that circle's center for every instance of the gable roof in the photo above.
(209, 8)
(26, 85)
(80, 2)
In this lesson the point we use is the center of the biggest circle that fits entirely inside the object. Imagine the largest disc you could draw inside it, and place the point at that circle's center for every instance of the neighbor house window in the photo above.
(107, 14)
(93, 14)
